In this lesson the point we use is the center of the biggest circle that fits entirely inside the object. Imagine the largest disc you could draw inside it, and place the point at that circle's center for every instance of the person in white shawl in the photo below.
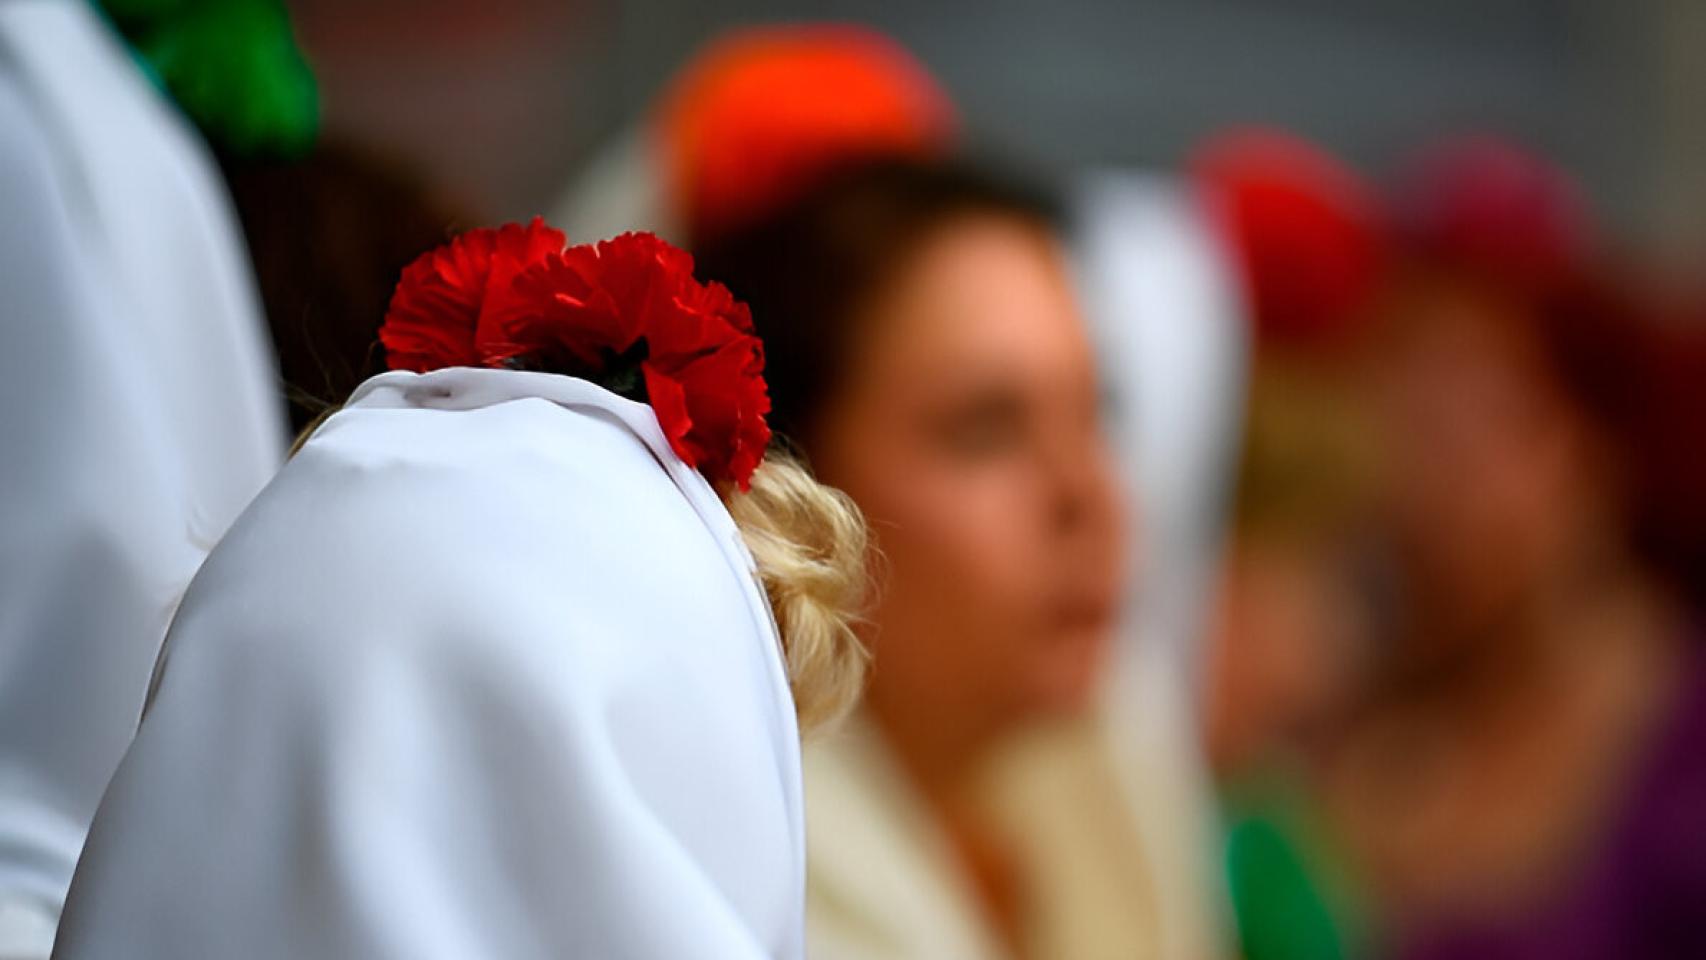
(490, 669)
(139, 413)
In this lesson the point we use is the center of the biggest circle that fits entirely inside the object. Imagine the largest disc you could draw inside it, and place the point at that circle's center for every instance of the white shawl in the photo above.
(1164, 304)
(485, 672)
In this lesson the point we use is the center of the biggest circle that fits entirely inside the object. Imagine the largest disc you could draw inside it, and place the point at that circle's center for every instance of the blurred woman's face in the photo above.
(1491, 477)
(968, 430)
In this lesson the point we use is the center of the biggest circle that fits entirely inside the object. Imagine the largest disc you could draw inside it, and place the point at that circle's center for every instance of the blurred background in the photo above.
(1609, 90)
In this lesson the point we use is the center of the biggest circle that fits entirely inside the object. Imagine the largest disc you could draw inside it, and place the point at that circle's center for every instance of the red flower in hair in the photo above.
(626, 314)
(1305, 229)
(443, 296)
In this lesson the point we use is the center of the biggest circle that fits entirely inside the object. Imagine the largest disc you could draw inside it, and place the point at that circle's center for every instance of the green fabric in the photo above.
(1286, 897)
(232, 65)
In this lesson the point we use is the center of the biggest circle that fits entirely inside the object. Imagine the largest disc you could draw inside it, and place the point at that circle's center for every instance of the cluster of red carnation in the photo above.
(626, 312)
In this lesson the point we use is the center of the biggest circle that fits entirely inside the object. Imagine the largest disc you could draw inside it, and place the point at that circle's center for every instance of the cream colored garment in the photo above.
(880, 880)
(1110, 878)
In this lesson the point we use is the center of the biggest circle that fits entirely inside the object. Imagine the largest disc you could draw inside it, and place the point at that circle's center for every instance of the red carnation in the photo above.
(624, 313)
(444, 294)
(713, 407)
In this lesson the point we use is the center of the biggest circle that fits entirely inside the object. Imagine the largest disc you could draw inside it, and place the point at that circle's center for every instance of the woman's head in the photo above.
(1535, 428)
(1491, 465)
(926, 353)
(1537, 405)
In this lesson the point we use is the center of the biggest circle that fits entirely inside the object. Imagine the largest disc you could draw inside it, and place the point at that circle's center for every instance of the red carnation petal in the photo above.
(669, 401)
(439, 303)
(694, 324)
(725, 401)
(515, 250)
(714, 298)
(560, 313)
(643, 273)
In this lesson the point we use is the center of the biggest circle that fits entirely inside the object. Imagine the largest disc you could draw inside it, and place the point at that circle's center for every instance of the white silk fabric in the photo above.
(139, 413)
(484, 672)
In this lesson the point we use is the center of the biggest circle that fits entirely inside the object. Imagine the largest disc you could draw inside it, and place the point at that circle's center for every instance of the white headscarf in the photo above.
(485, 672)
(139, 412)
(1165, 308)
(1164, 305)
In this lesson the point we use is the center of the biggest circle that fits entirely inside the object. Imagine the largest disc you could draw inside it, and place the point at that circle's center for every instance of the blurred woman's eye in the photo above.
(990, 426)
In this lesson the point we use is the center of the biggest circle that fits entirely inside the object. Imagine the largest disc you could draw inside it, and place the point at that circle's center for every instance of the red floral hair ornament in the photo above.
(626, 314)
(763, 113)
(1305, 229)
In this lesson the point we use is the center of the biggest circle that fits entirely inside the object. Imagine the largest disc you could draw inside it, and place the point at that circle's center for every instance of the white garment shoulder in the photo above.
(138, 416)
(472, 679)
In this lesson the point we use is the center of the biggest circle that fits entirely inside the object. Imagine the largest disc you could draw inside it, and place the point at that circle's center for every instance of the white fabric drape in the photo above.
(1165, 309)
(485, 672)
(138, 415)
(1169, 319)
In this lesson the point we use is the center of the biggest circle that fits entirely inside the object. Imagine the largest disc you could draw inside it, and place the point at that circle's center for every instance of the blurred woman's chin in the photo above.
(1068, 671)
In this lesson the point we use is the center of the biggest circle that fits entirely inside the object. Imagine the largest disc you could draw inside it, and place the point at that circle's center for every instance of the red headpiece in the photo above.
(624, 313)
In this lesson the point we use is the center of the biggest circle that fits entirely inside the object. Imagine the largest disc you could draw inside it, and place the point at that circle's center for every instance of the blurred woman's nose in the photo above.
(1080, 488)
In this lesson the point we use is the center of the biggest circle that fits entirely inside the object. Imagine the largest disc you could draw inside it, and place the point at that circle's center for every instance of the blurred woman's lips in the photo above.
(1082, 613)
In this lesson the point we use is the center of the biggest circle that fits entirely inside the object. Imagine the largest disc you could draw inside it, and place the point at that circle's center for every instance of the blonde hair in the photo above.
(810, 542)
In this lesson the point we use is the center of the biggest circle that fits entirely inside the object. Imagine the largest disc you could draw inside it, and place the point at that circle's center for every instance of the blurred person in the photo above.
(762, 114)
(1290, 624)
(755, 116)
(511, 658)
(138, 417)
(928, 356)
(1525, 778)
(1287, 644)
(232, 66)
(1305, 234)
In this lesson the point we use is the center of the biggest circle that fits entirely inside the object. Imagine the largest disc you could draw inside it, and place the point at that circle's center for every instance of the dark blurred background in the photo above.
(1609, 90)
